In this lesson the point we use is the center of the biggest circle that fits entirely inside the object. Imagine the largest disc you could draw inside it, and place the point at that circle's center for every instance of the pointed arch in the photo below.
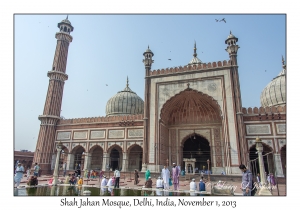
(78, 156)
(189, 107)
(115, 156)
(268, 163)
(76, 148)
(96, 155)
(95, 147)
(197, 147)
(192, 134)
(135, 155)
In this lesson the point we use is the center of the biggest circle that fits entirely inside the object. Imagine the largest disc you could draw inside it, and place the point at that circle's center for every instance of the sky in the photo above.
(108, 48)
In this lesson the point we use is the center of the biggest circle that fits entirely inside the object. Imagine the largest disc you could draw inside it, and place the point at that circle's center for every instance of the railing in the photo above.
(270, 170)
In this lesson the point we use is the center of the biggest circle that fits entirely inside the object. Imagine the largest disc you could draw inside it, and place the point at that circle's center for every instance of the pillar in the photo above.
(70, 162)
(259, 147)
(53, 161)
(125, 162)
(278, 165)
(87, 161)
(105, 161)
(193, 167)
(55, 174)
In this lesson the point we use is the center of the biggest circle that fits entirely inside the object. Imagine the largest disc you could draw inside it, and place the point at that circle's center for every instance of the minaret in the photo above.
(148, 54)
(51, 115)
(232, 49)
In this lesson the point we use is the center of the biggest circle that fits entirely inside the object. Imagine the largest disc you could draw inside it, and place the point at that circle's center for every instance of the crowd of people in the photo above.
(166, 179)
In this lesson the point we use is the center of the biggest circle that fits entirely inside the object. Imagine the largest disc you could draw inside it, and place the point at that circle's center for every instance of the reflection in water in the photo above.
(31, 190)
(147, 192)
(192, 193)
(159, 192)
(67, 190)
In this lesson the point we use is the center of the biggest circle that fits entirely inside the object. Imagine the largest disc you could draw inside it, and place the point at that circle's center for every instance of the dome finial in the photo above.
(67, 17)
(230, 31)
(127, 82)
(283, 62)
(148, 46)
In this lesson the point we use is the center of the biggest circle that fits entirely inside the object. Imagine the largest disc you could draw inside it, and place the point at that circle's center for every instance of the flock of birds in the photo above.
(221, 20)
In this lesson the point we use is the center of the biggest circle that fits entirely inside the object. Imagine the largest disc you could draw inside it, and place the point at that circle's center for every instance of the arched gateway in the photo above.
(190, 127)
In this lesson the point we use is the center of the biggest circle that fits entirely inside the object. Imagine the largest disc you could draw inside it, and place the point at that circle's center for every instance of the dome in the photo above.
(274, 93)
(231, 36)
(148, 51)
(125, 102)
(66, 21)
(195, 60)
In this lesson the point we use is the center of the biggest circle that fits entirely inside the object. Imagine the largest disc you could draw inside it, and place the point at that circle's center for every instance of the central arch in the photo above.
(189, 110)
(198, 147)
(191, 107)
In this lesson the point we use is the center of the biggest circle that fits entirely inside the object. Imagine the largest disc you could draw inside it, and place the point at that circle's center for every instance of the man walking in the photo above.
(246, 180)
(165, 174)
(117, 175)
(175, 176)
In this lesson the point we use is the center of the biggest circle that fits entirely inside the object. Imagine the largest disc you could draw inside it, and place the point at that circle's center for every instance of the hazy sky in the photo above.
(108, 48)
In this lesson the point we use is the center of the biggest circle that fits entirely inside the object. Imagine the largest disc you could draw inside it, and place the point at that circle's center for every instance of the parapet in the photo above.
(101, 119)
(202, 66)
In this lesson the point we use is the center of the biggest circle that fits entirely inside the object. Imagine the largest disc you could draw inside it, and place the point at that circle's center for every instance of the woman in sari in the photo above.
(19, 174)
(147, 174)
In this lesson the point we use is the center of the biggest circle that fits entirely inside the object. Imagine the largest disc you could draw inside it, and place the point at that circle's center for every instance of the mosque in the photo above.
(191, 115)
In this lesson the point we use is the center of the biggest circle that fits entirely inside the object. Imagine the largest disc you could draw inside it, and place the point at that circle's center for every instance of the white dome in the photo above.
(274, 93)
(125, 102)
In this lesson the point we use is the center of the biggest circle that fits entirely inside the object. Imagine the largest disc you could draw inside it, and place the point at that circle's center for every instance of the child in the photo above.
(80, 181)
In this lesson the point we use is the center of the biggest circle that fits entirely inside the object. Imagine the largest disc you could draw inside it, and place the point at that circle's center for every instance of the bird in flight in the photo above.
(106, 85)
(217, 20)
(169, 59)
(223, 20)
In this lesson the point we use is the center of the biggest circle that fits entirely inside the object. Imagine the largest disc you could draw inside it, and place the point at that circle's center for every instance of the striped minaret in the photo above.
(45, 146)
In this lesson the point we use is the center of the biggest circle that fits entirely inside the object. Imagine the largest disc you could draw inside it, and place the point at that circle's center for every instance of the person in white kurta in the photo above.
(104, 181)
(165, 174)
(193, 185)
(159, 183)
(19, 174)
(110, 183)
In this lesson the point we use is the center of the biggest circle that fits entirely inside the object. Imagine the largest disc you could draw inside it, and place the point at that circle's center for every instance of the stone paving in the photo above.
(129, 183)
